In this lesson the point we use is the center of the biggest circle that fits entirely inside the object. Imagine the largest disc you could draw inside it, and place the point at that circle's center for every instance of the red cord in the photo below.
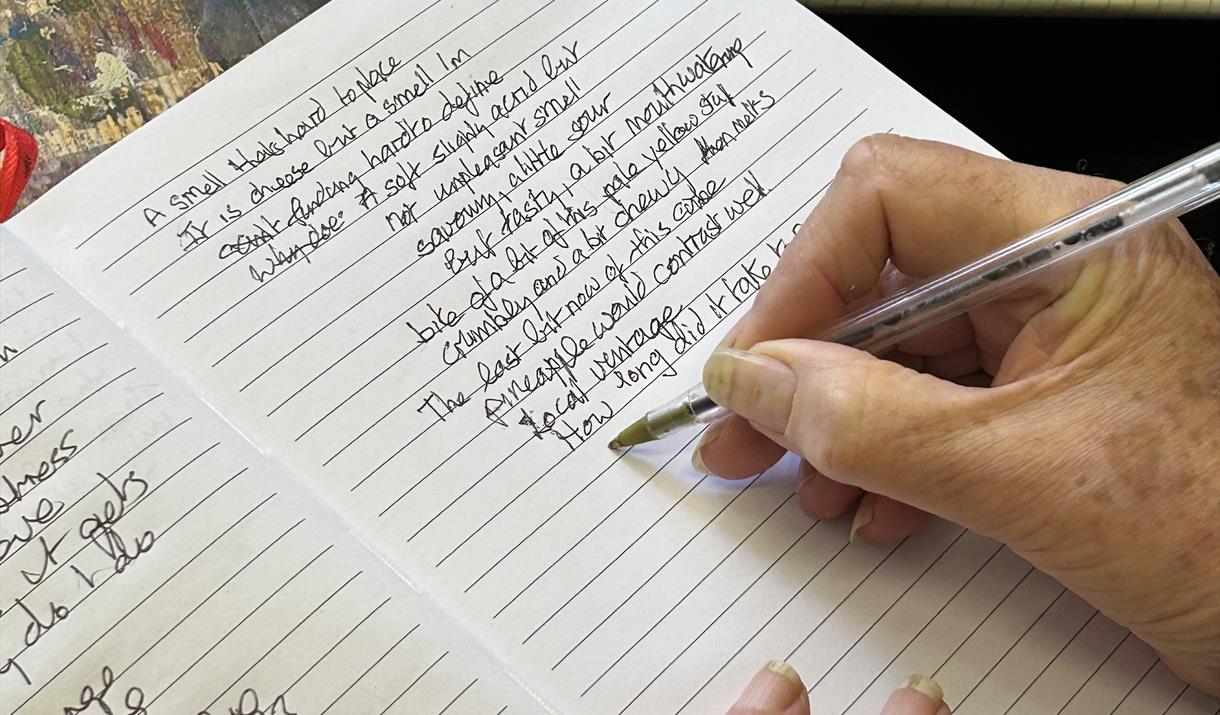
(20, 154)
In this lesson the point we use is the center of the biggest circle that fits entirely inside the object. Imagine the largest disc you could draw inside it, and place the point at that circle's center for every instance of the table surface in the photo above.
(81, 74)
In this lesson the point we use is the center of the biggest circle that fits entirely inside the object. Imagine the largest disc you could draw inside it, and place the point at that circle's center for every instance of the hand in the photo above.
(778, 690)
(1094, 451)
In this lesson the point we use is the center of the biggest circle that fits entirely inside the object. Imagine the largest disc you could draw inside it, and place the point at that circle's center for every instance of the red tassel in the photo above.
(16, 165)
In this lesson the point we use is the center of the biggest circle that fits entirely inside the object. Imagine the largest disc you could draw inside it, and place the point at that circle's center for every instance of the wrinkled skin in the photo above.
(1074, 419)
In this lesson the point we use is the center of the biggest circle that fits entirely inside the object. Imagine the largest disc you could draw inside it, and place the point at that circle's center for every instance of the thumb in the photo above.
(864, 421)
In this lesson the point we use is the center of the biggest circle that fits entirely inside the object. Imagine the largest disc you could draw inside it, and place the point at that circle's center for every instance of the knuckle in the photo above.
(1053, 194)
(871, 154)
(885, 161)
(1088, 189)
(1102, 186)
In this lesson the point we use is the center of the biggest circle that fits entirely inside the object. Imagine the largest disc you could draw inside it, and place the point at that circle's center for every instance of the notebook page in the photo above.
(1109, 8)
(152, 561)
(431, 256)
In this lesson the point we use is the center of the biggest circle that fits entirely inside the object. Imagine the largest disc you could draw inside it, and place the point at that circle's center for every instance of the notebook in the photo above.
(306, 387)
(1088, 8)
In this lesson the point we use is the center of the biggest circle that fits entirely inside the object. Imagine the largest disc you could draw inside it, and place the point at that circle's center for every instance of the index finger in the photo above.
(925, 206)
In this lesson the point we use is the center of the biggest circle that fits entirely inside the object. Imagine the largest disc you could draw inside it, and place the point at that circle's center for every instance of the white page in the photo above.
(152, 561)
(608, 583)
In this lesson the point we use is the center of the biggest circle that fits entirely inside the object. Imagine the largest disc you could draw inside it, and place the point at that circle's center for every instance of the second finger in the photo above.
(732, 448)
(884, 521)
(822, 497)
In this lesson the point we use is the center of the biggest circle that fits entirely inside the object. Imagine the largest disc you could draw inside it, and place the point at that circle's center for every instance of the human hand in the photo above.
(1093, 453)
(778, 690)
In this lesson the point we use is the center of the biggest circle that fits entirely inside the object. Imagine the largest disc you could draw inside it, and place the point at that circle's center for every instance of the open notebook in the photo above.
(306, 388)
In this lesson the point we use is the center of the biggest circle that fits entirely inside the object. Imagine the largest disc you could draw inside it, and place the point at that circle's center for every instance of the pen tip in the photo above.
(637, 432)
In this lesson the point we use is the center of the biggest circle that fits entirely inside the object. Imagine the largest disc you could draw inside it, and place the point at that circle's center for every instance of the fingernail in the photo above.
(754, 386)
(918, 695)
(864, 517)
(927, 686)
(711, 434)
(775, 687)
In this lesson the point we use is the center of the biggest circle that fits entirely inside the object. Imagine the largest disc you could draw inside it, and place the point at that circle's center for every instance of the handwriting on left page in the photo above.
(152, 561)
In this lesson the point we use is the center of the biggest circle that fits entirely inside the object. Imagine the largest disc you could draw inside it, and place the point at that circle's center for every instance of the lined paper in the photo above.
(430, 263)
(1108, 8)
(152, 561)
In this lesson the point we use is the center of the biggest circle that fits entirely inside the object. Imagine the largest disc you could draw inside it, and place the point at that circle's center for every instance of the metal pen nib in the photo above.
(636, 433)
(692, 407)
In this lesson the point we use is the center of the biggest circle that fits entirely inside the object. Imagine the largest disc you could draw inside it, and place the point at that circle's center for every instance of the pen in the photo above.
(1169, 192)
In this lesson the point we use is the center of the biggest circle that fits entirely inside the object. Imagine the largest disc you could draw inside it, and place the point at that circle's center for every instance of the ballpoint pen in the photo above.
(1172, 191)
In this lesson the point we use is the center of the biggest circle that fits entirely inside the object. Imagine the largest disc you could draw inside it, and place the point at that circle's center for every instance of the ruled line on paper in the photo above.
(340, 642)
(22, 309)
(349, 266)
(982, 620)
(241, 174)
(675, 606)
(545, 473)
(136, 505)
(17, 272)
(521, 540)
(105, 430)
(103, 480)
(52, 376)
(413, 305)
(1088, 679)
(1135, 685)
(1176, 699)
(368, 670)
(244, 618)
(1050, 662)
(340, 67)
(886, 612)
(283, 638)
(39, 341)
(142, 601)
(415, 681)
(28, 440)
(630, 545)
(720, 615)
(457, 697)
(1011, 646)
(416, 302)
(490, 424)
(764, 626)
(924, 627)
(229, 265)
(437, 375)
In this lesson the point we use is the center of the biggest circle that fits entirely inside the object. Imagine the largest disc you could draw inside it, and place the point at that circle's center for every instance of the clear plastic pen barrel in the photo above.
(1172, 191)
(691, 407)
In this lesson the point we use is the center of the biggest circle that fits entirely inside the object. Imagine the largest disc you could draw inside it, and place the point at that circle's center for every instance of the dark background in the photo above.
(1113, 97)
